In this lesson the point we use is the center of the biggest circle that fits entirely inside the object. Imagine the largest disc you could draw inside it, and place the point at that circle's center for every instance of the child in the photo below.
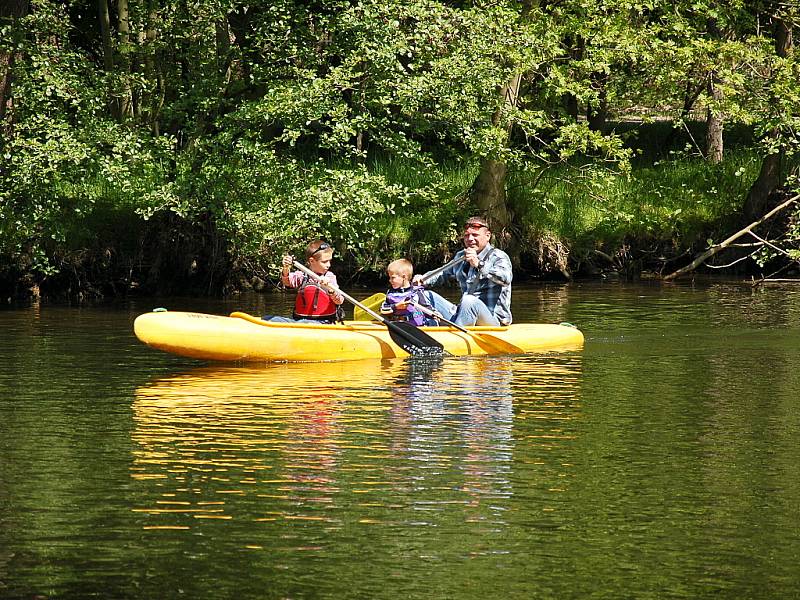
(315, 302)
(401, 296)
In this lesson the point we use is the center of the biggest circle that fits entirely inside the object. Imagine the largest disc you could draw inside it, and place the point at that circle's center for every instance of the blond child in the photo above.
(403, 300)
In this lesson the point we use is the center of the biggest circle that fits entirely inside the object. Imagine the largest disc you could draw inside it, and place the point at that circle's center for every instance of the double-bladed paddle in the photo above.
(442, 269)
(414, 341)
(495, 344)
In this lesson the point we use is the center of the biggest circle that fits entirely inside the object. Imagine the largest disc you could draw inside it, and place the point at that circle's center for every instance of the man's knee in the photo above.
(472, 311)
(471, 303)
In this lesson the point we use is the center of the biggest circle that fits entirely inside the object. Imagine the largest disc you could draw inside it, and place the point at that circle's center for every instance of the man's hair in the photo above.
(317, 246)
(402, 266)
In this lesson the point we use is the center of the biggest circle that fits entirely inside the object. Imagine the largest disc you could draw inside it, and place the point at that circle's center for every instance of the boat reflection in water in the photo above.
(335, 442)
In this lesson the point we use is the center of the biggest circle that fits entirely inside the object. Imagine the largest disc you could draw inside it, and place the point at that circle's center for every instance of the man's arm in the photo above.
(498, 268)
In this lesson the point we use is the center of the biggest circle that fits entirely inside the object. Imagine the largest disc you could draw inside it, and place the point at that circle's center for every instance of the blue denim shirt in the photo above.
(492, 283)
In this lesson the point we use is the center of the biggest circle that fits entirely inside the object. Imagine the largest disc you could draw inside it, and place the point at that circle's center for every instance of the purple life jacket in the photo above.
(410, 313)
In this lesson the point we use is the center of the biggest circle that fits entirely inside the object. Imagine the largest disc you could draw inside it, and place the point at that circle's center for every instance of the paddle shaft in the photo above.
(432, 313)
(442, 269)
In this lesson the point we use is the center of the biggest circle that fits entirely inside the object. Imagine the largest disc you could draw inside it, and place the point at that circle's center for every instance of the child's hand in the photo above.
(328, 287)
(287, 261)
(401, 305)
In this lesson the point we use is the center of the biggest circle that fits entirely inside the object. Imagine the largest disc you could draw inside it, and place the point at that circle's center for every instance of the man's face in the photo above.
(476, 237)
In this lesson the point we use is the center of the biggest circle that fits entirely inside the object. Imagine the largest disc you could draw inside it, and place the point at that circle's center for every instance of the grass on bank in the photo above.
(676, 198)
(672, 200)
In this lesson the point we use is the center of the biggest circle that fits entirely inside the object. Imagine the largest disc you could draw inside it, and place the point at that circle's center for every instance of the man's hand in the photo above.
(471, 256)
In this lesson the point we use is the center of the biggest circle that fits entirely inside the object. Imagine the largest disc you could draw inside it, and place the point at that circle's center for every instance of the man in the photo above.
(484, 276)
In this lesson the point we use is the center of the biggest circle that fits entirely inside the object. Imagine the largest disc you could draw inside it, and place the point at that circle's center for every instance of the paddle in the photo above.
(499, 346)
(442, 269)
(414, 341)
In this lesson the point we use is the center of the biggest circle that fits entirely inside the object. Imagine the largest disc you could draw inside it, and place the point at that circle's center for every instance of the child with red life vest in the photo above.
(402, 299)
(316, 302)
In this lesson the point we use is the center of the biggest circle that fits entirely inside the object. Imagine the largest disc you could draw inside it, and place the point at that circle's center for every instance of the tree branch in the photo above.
(722, 245)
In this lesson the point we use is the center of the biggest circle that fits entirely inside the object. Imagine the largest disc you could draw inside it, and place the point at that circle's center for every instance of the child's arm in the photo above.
(289, 279)
(395, 304)
(337, 297)
(386, 308)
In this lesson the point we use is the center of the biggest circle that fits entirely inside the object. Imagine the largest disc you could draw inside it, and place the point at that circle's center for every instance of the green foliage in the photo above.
(266, 124)
(675, 199)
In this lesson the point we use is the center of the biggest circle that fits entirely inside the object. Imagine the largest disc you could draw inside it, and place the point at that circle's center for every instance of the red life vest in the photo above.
(313, 302)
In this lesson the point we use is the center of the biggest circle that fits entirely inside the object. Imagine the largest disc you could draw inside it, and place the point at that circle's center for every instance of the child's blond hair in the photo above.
(401, 266)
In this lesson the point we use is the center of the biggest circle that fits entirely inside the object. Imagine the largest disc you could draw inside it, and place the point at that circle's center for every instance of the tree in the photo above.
(780, 114)
(603, 36)
(10, 13)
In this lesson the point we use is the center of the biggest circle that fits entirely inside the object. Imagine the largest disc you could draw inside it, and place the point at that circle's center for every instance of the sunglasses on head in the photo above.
(321, 247)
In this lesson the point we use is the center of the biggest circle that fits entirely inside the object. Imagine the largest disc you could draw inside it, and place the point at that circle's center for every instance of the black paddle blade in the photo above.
(413, 340)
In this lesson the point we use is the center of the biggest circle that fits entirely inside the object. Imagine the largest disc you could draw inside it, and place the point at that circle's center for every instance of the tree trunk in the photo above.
(126, 95)
(714, 123)
(488, 192)
(223, 38)
(152, 69)
(108, 51)
(770, 177)
(224, 60)
(9, 10)
(576, 51)
(596, 115)
(489, 195)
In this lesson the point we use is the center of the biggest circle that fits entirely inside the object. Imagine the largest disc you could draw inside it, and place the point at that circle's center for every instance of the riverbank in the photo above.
(670, 205)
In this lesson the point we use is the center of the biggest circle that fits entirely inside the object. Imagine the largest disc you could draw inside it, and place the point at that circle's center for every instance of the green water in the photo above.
(661, 461)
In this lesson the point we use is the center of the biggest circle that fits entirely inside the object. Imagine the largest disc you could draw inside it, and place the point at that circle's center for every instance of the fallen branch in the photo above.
(730, 264)
(771, 245)
(722, 245)
(775, 280)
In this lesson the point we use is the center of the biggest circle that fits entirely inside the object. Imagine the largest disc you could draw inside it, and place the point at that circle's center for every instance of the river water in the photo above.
(660, 461)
